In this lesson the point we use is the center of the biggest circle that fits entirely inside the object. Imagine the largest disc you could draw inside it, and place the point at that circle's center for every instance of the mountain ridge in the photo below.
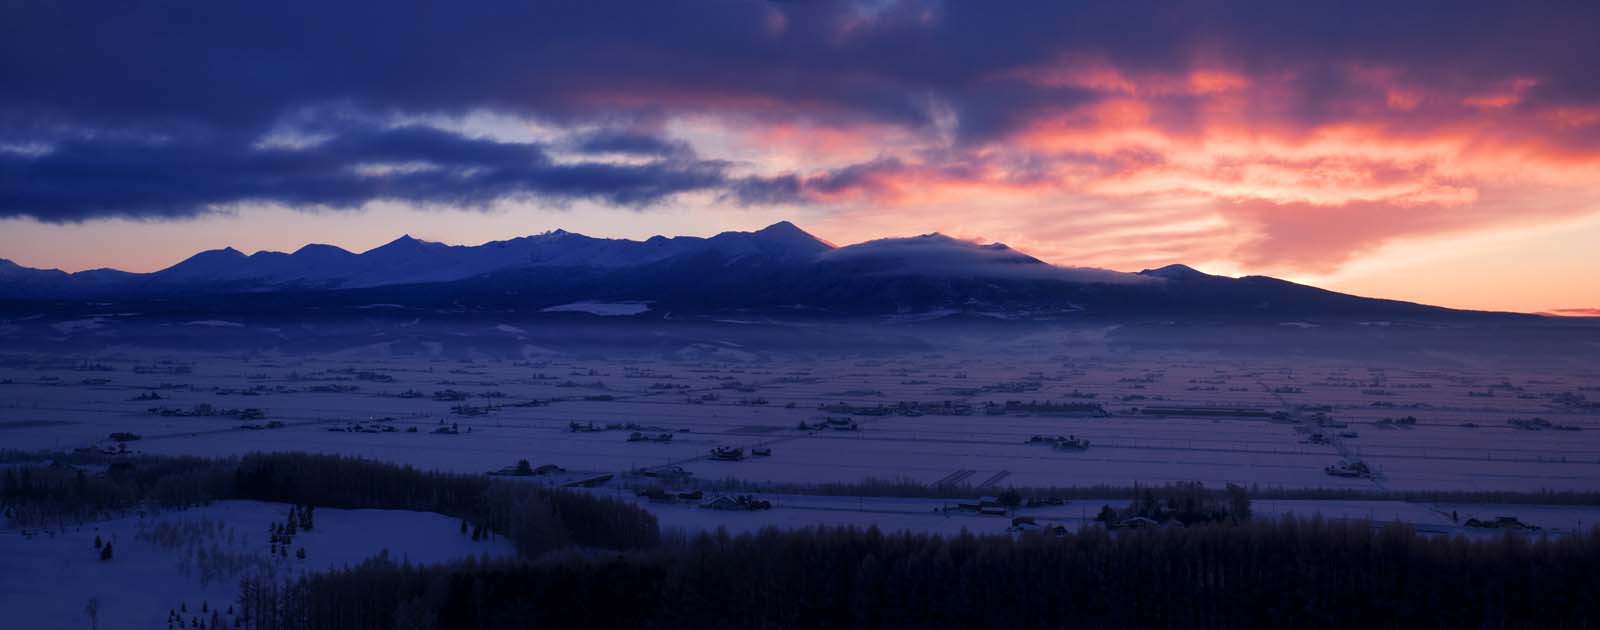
(780, 268)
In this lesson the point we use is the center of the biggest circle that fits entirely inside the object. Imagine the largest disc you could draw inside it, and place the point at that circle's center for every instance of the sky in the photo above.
(1442, 152)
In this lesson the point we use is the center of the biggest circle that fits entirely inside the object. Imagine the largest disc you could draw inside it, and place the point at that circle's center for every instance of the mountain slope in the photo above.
(777, 271)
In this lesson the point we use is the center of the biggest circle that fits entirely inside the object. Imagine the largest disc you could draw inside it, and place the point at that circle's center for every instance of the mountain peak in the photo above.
(1175, 272)
(407, 241)
(934, 252)
(206, 264)
(217, 255)
(320, 249)
(782, 227)
(786, 231)
(782, 240)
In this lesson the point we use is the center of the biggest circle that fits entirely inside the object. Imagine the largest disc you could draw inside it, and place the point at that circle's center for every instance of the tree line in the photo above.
(911, 488)
(1282, 573)
(587, 561)
(534, 518)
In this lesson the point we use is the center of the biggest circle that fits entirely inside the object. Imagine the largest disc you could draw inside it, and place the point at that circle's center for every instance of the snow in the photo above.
(1438, 453)
(606, 309)
(50, 576)
(79, 325)
(712, 396)
(215, 323)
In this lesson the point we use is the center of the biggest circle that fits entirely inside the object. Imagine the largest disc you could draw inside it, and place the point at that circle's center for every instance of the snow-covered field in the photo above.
(959, 418)
(1457, 437)
(49, 576)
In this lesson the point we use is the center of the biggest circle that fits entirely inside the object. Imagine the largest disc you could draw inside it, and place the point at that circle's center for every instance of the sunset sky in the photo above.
(1444, 152)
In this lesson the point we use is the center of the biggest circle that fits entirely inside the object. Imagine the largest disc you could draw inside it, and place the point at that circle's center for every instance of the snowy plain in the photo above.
(961, 418)
(50, 574)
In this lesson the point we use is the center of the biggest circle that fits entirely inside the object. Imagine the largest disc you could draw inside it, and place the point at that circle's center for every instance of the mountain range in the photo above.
(780, 269)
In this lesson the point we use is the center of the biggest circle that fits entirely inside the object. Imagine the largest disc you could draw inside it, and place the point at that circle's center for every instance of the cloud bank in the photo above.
(1275, 135)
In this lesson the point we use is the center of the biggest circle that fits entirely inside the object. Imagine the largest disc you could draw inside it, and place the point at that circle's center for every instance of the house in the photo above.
(722, 503)
(727, 453)
(739, 503)
(655, 494)
(982, 505)
(1501, 522)
(1353, 469)
(664, 472)
(591, 482)
(1071, 443)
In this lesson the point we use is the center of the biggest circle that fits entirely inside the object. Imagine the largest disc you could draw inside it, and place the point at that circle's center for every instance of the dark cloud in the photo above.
(629, 142)
(155, 108)
(87, 178)
(243, 64)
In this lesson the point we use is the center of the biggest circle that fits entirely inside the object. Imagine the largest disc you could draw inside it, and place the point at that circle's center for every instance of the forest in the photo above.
(1280, 574)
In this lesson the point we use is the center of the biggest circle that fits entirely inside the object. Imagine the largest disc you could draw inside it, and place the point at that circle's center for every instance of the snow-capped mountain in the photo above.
(780, 269)
(405, 260)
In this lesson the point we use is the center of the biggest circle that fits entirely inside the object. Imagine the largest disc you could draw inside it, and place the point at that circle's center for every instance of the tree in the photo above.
(92, 609)
(1010, 498)
(524, 468)
(105, 552)
(97, 542)
(1238, 502)
(300, 553)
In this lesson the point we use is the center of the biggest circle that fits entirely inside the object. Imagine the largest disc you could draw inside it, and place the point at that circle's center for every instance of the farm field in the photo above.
(933, 419)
